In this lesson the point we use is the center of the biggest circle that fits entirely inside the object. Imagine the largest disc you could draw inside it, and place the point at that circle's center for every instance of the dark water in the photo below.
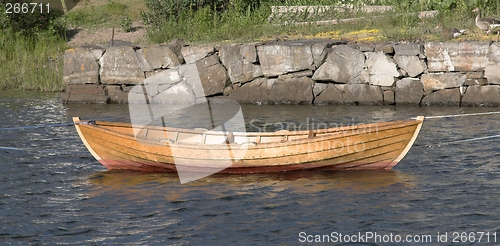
(53, 192)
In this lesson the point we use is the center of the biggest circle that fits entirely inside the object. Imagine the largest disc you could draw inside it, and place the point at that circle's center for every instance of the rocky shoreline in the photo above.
(289, 72)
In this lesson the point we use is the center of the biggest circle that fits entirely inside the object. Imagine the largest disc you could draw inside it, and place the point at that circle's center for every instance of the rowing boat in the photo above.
(167, 149)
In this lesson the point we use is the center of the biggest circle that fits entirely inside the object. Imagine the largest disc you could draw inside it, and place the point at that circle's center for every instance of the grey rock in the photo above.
(290, 90)
(319, 88)
(379, 63)
(457, 57)
(408, 49)
(332, 94)
(143, 63)
(439, 81)
(116, 94)
(161, 56)
(446, 97)
(119, 65)
(249, 53)
(495, 52)
(385, 48)
(382, 68)
(486, 95)
(389, 97)
(80, 67)
(411, 64)
(305, 73)
(88, 93)
(492, 73)
(366, 47)
(180, 93)
(343, 64)
(253, 92)
(161, 81)
(212, 75)
(194, 53)
(409, 91)
(319, 52)
(239, 69)
(475, 75)
(364, 94)
(382, 80)
(482, 81)
(284, 57)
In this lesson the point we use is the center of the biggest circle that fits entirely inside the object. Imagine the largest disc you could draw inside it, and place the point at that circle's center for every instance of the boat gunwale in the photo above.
(334, 134)
(252, 134)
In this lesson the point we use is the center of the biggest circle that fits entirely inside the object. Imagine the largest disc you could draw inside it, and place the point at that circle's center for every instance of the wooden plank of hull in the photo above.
(307, 153)
(116, 148)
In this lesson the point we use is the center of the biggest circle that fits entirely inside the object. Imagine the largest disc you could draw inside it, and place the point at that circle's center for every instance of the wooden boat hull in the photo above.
(161, 149)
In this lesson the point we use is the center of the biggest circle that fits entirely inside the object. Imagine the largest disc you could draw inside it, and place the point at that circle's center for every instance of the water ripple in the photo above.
(52, 191)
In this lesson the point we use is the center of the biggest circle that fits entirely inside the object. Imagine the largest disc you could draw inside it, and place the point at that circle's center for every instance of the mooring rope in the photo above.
(10, 148)
(463, 140)
(458, 115)
(458, 141)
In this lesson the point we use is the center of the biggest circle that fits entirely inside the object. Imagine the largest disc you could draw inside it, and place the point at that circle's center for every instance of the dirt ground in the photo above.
(78, 37)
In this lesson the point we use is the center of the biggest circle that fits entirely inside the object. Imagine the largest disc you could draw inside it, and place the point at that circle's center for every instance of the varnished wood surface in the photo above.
(157, 149)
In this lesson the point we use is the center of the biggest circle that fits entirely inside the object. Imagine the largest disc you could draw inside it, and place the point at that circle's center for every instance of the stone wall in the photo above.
(292, 72)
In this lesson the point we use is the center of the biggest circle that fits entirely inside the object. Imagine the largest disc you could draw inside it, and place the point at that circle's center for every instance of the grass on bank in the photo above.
(35, 63)
(93, 14)
(242, 24)
(31, 63)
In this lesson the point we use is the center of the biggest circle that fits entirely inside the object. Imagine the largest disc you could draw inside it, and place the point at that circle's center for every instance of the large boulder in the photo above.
(330, 94)
(161, 81)
(88, 93)
(495, 52)
(119, 65)
(382, 68)
(194, 53)
(319, 52)
(457, 57)
(408, 49)
(411, 64)
(161, 56)
(239, 61)
(284, 57)
(447, 97)
(343, 65)
(364, 94)
(80, 67)
(409, 91)
(180, 93)
(212, 75)
(255, 91)
(486, 95)
(492, 73)
(439, 81)
(492, 70)
(291, 90)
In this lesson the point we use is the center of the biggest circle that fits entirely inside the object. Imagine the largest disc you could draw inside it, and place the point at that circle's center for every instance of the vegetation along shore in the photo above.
(32, 44)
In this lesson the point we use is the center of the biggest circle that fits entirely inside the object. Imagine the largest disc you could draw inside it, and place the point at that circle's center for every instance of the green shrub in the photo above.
(205, 21)
(31, 56)
(126, 24)
(33, 20)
